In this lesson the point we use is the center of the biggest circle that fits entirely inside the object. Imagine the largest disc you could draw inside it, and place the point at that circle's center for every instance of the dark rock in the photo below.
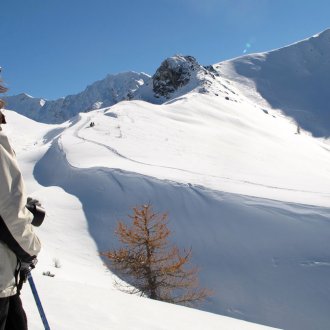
(172, 74)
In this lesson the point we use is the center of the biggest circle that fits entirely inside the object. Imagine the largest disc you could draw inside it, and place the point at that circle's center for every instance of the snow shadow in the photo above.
(296, 80)
(51, 135)
(260, 257)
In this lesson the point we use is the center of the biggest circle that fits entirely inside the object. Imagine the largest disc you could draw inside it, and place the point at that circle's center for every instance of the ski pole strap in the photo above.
(38, 302)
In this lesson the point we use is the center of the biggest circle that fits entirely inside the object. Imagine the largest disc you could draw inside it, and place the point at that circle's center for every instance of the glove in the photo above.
(26, 268)
(24, 272)
(34, 206)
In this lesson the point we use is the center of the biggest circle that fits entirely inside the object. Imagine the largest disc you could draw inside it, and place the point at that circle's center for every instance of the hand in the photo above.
(26, 268)
(24, 272)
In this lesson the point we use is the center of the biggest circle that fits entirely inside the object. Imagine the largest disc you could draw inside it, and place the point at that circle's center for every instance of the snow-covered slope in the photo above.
(294, 79)
(83, 205)
(267, 261)
(208, 141)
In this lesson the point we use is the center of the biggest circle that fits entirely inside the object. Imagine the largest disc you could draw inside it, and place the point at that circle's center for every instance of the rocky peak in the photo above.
(173, 73)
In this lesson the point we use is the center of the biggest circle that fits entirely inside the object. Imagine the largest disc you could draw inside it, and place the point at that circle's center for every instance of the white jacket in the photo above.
(17, 238)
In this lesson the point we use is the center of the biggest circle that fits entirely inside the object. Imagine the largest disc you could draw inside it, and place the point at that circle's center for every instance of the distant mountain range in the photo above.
(294, 79)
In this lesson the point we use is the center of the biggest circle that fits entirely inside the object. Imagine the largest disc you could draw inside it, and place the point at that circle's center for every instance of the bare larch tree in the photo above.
(152, 266)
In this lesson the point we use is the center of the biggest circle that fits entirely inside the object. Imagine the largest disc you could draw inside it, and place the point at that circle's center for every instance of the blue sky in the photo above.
(52, 48)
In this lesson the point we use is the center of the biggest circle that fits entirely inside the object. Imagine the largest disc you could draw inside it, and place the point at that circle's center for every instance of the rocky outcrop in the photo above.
(173, 73)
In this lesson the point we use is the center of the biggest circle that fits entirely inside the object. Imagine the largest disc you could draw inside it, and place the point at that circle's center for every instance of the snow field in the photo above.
(81, 295)
(265, 260)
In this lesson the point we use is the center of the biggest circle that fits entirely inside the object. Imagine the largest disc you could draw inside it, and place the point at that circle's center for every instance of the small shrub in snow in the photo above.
(57, 263)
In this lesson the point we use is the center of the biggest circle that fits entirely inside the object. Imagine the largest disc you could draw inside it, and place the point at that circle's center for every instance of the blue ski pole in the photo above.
(38, 302)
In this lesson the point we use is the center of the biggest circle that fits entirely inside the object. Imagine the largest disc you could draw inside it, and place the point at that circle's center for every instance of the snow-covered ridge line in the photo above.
(175, 77)
(134, 136)
(302, 94)
(293, 79)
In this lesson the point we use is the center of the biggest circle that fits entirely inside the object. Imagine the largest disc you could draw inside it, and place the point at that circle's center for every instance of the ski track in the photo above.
(246, 182)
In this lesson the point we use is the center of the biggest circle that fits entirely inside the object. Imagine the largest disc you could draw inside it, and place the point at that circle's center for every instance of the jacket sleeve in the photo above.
(15, 220)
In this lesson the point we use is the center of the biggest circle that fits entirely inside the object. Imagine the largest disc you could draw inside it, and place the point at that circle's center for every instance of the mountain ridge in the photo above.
(175, 77)
(290, 79)
(293, 79)
(106, 92)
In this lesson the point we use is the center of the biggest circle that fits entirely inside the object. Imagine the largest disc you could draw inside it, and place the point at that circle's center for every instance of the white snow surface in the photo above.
(80, 220)
(198, 158)
(248, 193)
(208, 141)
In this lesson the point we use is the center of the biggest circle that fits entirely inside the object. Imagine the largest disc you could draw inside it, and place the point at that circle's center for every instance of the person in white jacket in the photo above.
(19, 245)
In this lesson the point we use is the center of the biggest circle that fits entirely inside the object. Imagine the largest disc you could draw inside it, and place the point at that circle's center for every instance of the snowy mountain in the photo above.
(175, 77)
(294, 79)
(106, 92)
(242, 187)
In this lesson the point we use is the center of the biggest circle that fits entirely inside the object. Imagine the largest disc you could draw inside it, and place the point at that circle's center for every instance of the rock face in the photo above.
(27, 105)
(173, 73)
